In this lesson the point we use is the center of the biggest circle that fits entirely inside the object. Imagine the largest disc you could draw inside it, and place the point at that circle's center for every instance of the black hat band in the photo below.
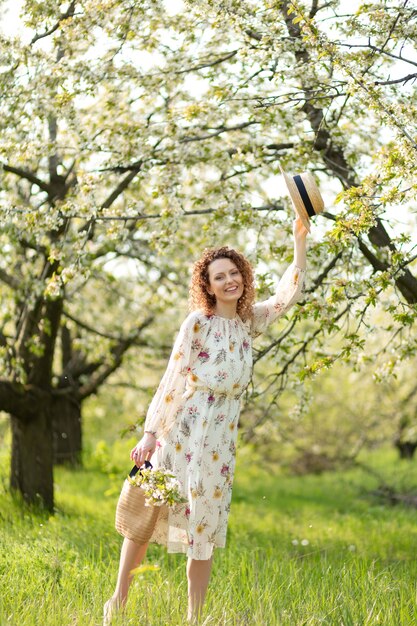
(304, 195)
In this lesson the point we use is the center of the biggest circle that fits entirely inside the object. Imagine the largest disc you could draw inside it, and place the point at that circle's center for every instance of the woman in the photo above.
(195, 410)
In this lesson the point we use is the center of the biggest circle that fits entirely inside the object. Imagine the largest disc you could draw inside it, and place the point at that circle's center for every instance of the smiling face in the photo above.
(225, 281)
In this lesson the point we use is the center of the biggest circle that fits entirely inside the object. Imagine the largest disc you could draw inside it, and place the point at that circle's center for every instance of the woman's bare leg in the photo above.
(131, 555)
(198, 573)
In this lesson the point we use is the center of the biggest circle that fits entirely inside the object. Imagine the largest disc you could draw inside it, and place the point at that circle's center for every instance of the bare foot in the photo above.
(109, 611)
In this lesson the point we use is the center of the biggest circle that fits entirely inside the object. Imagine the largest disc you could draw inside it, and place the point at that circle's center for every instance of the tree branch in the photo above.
(22, 401)
(89, 225)
(279, 146)
(124, 184)
(64, 16)
(403, 80)
(9, 280)
(89, 328)
(379, 50)
(118, 353)
(377, 264)
(406, 282)
(202, 65)
(320, 278)
(30, 176)
(218, 131)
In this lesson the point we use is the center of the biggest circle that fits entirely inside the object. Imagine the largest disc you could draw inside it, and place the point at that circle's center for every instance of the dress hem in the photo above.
(182, 548)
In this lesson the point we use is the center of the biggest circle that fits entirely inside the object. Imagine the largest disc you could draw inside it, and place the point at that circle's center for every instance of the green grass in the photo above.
(314, 550)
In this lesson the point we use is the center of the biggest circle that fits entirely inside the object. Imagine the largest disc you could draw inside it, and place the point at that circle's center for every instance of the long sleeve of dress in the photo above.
(164, 406)
(288, 291)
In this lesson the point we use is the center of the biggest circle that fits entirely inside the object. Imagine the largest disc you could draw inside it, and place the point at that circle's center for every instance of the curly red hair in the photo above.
(199, 296)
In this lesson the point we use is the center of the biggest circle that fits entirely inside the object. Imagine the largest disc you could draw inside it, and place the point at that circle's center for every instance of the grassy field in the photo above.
(301, 551)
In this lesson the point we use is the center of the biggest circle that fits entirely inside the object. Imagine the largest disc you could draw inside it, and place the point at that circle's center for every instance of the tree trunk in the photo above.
(406, 449)
(66, 430)
(32, 463)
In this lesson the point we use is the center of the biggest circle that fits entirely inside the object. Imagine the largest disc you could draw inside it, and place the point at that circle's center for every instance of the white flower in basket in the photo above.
(160, 487)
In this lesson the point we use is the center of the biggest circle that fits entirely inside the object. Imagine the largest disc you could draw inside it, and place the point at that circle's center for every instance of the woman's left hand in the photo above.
(298, 229)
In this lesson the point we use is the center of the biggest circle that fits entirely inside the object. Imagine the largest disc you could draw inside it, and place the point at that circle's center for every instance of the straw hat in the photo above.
(305, 195)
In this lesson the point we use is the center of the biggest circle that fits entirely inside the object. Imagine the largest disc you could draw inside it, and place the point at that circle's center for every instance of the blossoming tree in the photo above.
(144, 131)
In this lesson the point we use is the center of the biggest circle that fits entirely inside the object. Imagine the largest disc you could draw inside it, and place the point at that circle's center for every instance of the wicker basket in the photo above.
(134, 520)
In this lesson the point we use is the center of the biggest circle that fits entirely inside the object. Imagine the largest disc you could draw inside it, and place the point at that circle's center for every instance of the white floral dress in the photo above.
(195, 412)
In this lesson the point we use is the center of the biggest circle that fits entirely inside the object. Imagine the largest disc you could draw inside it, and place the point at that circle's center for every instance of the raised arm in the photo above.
(300, 243)
(289, 288)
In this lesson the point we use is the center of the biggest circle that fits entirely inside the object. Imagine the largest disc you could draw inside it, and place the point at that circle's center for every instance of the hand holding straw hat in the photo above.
(305, 195)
